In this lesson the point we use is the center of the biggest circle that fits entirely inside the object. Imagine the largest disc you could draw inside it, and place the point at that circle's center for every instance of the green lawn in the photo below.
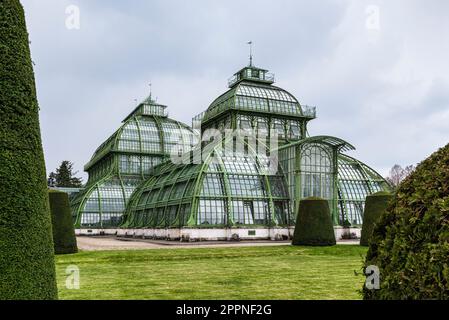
(278, 272)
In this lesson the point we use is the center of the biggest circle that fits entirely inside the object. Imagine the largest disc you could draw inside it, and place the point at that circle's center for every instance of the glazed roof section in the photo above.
(149, 107)
(147, 130)
(251, 73)
(223, 181)
(351, 169)
(257, 94)
(340, 144)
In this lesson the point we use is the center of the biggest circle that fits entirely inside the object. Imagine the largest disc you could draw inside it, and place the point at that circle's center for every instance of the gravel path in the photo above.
(112, 243)
(106, 243)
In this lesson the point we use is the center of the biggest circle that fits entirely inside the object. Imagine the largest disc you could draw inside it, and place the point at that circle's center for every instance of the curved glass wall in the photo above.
(315, 167)
(355, 182)
(131, 173)
(235, 190)
(146, 138)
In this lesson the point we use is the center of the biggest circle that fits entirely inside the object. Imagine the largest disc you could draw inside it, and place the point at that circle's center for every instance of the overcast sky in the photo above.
(378, 71)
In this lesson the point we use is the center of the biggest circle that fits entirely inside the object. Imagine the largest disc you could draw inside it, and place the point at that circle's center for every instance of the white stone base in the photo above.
(340, 232)
(210, 234)
(96, 232)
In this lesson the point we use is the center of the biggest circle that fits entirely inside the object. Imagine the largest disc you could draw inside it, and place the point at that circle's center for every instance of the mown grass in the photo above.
(278, 272)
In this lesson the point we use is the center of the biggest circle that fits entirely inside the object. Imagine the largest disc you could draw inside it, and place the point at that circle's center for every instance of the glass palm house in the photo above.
(145, 139)
(253, 163)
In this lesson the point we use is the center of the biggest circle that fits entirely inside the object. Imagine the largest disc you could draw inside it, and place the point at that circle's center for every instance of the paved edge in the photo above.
(106, 243)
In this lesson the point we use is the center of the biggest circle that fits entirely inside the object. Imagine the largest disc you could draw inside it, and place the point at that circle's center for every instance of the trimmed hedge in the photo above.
(314, 225)
(410, 244)
(64, 237)
(27, 267)
(375, 205)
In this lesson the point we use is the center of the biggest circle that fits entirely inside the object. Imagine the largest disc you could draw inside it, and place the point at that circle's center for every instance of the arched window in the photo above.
(316, 171)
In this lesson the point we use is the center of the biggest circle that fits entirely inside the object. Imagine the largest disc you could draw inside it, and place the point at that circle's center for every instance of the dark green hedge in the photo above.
(61, 217)
(27, 268)
(410, 244)
(375, 205)
(314, 225)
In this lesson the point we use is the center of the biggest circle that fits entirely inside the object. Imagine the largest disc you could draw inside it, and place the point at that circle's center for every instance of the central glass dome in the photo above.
(253, 102)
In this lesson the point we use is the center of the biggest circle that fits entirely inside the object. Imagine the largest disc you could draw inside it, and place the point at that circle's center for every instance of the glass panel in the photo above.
(246, 186)
(294, 130)
(279, 126)
(281, 212)
(211, 212)
(213, 185)
(90, 219)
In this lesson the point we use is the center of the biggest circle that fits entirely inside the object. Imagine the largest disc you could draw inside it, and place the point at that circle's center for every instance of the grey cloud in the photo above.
(384, 91)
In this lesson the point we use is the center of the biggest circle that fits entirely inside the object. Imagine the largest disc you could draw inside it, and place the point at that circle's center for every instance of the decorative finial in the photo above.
(150, 84)
(250, 53)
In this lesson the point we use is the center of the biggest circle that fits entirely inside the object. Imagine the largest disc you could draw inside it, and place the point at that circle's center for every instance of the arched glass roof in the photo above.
(232, 190)
(317, 167)
(257, 94)
(153, 135)
(131, 172)
(101, 204)
(257, 98)
(146, 138)
(355, 182)
(340, 144)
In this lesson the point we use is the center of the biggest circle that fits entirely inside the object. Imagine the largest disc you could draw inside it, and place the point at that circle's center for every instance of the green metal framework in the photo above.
(316, 167)
(356, 181)
(222, 191)
(254, 103)
(145, 139)
(130, 173)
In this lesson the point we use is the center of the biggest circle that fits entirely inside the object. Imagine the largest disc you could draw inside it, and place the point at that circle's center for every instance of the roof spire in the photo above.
(250, 53)
(150, 84)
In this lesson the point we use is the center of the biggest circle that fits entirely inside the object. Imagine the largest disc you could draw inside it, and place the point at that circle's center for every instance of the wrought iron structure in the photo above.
(254, 103)
(316, 167)
(237, 191)
(145, 139)
(223, 189)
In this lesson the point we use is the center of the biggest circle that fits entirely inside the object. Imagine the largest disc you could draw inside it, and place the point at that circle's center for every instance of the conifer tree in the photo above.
(27, 268)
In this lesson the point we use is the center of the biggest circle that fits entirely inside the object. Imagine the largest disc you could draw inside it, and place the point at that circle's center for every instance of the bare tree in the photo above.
(408, 170)
(398, 174)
